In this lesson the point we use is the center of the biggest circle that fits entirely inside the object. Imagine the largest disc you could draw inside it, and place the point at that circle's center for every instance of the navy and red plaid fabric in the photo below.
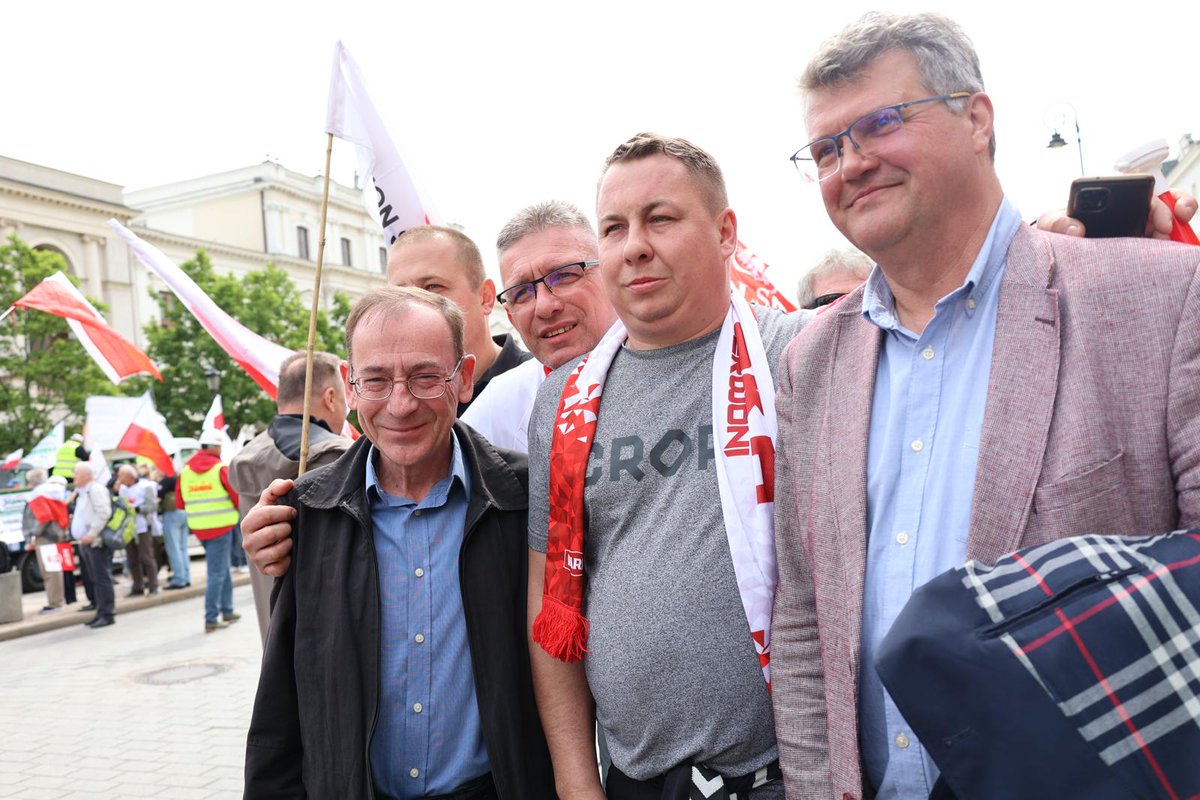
(1093, 641)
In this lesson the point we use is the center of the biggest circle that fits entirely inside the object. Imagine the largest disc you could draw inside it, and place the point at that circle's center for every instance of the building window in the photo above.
(302, 242)
(383, 260)
(346, 251)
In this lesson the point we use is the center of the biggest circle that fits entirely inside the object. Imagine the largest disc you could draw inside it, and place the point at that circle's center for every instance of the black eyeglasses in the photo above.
(558, 278)
(423, 386)
(825, 300)
(821, 159)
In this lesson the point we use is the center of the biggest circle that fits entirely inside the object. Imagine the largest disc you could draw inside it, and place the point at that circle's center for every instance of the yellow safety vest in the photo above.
(65, 460)
(205, 500)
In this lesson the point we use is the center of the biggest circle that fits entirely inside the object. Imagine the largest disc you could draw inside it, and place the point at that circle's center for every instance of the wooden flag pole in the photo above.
(312, 317)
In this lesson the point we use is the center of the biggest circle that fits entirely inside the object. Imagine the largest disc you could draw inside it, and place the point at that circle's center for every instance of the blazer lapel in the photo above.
(854, 359)
(1021, 391)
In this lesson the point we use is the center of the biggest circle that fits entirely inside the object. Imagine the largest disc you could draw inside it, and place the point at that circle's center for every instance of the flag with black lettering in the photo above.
(352, 116)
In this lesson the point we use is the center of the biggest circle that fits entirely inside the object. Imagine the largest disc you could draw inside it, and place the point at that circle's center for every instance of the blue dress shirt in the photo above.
(926, 420)
(428, 738)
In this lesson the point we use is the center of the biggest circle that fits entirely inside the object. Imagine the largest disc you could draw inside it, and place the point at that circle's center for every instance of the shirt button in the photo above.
(418, 572)
(918, 445)
(902, 741)
(971, 303)
(927, 353)
(414, 772)
(420, 637)
(417, 513)
(417, 708)
(902, 537)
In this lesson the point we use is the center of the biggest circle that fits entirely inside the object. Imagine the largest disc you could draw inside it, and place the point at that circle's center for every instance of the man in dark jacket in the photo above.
(275, 453)
(396, 664)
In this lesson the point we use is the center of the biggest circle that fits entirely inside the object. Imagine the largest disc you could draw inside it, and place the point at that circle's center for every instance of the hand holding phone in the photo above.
(1111, 206)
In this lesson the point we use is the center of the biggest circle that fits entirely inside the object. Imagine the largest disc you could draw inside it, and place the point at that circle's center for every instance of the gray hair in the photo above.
(326, 373)
(389, 301)
(540, 217)
(837, 261)
(945, 56)
(126, 469)
(35, 477)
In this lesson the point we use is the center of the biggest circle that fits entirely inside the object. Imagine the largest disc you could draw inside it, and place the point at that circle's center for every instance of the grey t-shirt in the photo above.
(670, 661)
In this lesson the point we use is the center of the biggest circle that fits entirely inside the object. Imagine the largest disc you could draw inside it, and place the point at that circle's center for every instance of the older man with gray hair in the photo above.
(93, 507)
(554, 298)
(839, 272)
(141, 494)
(990, 387)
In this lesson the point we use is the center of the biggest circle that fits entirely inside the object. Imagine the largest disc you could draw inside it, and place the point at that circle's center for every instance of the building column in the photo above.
(93, 268)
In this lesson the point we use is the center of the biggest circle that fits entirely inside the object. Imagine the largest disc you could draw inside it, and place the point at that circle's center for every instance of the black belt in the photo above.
(481, 788)
(689, 782)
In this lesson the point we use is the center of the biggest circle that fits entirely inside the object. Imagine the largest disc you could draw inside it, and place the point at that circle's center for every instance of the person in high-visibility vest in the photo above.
(68, 455)
(210, 503)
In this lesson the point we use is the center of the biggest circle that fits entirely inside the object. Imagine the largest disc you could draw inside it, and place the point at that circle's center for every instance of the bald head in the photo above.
(84, 474)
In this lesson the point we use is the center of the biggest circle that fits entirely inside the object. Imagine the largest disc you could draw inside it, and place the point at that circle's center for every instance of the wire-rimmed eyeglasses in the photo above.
(423, 386)
(821, 159)
(558, 278)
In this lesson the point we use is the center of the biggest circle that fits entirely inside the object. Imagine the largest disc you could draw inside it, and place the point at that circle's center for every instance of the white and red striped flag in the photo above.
(147, 436)
(350, 115)
(12, 460)
(116, 356)
(215, 418)
(260, 357)
(749, 275)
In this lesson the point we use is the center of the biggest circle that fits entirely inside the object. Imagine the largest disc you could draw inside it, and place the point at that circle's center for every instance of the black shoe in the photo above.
(137, 593)
(152, 592)
(173, 586)
(88, 607)
(101, 622)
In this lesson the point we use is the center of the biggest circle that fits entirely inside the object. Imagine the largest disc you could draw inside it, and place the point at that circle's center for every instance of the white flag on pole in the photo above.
(352, 116)
(45, 451)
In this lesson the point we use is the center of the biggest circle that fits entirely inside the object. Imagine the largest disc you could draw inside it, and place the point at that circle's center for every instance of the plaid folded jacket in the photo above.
(1070, 669)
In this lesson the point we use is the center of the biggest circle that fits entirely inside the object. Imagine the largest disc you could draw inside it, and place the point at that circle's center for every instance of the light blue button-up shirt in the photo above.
(926, 420)
(428, 738)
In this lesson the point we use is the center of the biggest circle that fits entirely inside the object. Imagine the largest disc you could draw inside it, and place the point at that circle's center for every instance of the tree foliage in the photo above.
(45, 374)
(265, 301)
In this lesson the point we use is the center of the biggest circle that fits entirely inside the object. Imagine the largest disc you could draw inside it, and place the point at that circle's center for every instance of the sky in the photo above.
(498, 105)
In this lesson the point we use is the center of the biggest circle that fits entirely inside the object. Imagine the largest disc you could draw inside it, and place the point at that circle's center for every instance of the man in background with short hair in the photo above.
(445, 261)
(275, 453)
(93, 507)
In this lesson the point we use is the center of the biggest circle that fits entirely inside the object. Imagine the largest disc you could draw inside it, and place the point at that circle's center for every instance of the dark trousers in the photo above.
(481, 788)
(85, 573)
(139, 557)
(99, 566)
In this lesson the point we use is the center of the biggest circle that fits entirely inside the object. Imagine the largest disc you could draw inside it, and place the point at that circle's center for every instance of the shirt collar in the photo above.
(879, 304)
(437, 495)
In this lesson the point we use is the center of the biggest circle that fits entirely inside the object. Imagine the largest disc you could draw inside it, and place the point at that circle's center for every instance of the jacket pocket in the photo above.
(1089, 485)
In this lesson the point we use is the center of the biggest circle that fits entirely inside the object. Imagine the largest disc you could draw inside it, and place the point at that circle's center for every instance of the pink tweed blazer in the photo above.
(1092, 425)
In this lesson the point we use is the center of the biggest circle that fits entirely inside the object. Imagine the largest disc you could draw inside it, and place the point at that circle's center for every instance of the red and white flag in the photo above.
(351, 116)
(116, 356)
(215, 418)
(749, 275)
(260, 357)
(147, 436)
(47, 502)
(13, 459)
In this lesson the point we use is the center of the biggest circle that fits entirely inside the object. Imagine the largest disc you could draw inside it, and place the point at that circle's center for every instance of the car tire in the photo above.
(31, 574)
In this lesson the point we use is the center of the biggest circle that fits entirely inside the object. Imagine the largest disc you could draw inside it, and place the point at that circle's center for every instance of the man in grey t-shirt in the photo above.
(670, 664)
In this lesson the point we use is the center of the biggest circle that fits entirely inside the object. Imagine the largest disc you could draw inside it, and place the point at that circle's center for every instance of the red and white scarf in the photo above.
(743, 409)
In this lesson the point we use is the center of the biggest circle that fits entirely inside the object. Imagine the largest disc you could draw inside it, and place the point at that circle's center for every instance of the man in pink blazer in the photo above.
(990, 387)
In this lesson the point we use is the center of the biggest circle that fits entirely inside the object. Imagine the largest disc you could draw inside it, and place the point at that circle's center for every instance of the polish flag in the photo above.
(147, 435)
(350, 115)
(749, 275)
(116, 356)
(258, 356)
(13, 459)
(47, 502)
(215, 418)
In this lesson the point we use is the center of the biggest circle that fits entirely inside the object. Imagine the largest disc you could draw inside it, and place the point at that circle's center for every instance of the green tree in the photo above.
(45, 374)
(265, 301)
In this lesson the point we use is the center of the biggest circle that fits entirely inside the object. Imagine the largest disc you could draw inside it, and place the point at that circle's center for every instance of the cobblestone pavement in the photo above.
(152, 707)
